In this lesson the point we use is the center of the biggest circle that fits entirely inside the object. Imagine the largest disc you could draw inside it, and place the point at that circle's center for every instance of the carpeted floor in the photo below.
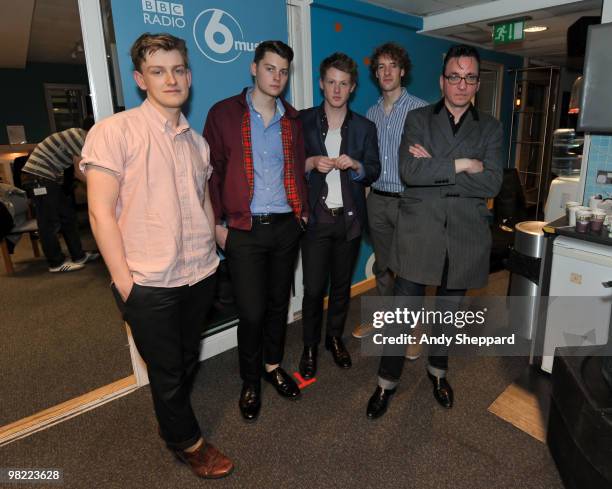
(323, 440)
(62, 335)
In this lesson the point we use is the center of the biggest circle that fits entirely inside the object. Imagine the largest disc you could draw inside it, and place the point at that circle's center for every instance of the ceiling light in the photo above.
(535, 28)
(77, 50)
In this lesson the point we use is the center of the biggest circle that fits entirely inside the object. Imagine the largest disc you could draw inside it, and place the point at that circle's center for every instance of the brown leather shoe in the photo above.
(206, 462)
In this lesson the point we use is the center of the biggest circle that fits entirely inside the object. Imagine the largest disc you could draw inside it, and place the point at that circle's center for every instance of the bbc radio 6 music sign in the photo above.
(163, 13)
(221, 36)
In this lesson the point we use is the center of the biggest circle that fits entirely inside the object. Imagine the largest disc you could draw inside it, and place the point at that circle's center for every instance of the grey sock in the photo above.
(387, 384)
(436, 372)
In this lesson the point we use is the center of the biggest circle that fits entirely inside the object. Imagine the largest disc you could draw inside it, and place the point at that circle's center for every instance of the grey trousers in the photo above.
(382, 217)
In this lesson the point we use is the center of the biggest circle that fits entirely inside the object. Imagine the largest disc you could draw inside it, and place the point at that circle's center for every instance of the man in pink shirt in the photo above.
(150, 212)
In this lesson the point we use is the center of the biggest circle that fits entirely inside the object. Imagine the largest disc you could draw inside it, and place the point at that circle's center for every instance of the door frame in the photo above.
(499, 68)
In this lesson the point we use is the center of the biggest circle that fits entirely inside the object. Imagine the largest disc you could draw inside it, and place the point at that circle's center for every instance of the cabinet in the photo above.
(67, 105)
(579, 302)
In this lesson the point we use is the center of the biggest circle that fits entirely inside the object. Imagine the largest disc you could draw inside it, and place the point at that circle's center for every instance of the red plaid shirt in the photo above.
(227, 131)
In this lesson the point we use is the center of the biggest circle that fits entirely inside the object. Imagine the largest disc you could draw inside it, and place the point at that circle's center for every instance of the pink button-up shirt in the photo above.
(167, 238)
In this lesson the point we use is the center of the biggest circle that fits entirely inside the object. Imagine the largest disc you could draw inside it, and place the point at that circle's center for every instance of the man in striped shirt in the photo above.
(390, 65)
(55, 212)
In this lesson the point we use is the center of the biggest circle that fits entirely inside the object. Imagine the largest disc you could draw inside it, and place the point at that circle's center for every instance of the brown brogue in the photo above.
(206, 461)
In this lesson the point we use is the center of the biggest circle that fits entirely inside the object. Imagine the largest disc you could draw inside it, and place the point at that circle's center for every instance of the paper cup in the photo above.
(571, 213)
(597, 220)
(583, 218)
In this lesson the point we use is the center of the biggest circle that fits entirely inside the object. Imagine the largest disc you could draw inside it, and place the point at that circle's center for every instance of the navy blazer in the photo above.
(359, 141)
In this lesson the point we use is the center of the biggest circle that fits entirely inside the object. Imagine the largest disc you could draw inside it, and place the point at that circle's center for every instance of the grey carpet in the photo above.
(320, 441)
(61, 335)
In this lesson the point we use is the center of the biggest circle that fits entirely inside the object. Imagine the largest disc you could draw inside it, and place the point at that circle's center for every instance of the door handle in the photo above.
(607, 284)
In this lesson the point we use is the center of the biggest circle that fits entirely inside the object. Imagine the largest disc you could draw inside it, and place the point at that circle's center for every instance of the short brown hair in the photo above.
(341, 62)
(394, 51)
(149, 43)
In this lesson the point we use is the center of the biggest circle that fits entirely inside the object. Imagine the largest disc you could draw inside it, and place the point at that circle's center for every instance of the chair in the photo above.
(510, 208)
(30, 227)
(510, 204)
(18, 164)
(8, 229)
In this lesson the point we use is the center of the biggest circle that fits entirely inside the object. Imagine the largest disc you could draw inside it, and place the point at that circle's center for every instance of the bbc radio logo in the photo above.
(219, 36)
(166, 14)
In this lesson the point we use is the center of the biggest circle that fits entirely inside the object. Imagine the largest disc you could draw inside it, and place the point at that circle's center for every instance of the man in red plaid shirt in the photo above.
(258, 190)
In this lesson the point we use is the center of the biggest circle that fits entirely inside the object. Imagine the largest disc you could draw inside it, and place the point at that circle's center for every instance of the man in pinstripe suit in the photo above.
(390, 66)
(450, 160)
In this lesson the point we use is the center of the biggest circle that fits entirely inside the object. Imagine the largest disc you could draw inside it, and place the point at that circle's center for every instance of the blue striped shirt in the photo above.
(390, 128)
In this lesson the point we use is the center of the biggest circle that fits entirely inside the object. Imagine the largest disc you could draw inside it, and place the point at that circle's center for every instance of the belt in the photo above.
(395, 195)
(270, 218)
(336, 211)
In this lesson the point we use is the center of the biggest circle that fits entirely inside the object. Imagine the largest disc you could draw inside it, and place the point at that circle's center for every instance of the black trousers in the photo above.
(166, 325)
(327, 257)
(262, 265)
(55, 213)
(410, 294)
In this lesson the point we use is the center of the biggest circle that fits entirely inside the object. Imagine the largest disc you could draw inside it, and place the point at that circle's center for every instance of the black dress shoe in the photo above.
(283, 383)
(308, 362)
(377, 405)
(442, 391)
(338, 351)
(250, 402)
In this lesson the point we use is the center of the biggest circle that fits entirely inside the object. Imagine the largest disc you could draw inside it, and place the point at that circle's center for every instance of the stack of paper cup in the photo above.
(574, 212)
(594, 202)
(570, 211)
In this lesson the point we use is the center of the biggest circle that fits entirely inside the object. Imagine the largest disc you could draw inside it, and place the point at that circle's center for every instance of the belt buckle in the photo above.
(336, 211)
(265, 219)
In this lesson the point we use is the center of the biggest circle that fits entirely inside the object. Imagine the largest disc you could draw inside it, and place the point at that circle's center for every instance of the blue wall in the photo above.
(600, 158)
(216, 75)
(356, 28)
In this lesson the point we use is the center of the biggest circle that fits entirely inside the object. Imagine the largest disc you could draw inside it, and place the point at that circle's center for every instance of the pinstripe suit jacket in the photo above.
(442, 213)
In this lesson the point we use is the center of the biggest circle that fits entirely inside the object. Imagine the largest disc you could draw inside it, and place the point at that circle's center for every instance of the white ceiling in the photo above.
(47, 30)
(55, 31)
(549, 46)
(15, 20)
(424, 7)
(43, 31)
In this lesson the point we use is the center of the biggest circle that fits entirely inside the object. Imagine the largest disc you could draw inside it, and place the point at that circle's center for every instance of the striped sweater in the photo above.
(54, 154)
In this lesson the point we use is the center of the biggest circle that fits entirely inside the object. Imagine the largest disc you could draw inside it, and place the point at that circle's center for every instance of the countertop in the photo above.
(560, 227)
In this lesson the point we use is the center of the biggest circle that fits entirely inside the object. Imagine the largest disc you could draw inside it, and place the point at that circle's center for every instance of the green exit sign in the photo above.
(508, 32)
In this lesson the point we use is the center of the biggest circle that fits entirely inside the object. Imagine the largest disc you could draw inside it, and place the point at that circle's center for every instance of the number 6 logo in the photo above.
(219, 37)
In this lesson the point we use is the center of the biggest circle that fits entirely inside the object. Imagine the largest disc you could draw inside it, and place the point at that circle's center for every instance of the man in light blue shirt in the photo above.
(269, 196)
(390, 66)
(258, 188)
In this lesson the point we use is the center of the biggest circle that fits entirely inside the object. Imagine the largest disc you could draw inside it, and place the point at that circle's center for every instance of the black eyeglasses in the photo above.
(456, 79)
